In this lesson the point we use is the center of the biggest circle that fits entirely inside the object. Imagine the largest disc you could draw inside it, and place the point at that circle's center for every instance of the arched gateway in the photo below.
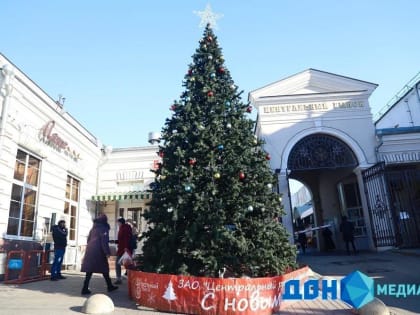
(325, 165)
(318, 129)
(320, 151)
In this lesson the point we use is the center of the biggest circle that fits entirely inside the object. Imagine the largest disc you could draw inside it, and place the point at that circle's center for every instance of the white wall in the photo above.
(29, 109)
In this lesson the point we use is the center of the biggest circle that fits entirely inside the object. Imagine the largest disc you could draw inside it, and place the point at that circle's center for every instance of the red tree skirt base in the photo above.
(211, 296)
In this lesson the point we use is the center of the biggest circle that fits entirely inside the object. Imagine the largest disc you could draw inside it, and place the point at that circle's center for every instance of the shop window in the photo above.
(24, 195)
(71, 205)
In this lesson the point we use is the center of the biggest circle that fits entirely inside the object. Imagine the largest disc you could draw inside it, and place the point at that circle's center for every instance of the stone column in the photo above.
(285, 195)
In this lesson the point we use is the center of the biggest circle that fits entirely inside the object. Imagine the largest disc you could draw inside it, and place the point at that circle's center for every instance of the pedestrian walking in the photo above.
(125, 236)
(97, 253)
(302, 238)
(59, 234)
(328, 241)
(347, 230)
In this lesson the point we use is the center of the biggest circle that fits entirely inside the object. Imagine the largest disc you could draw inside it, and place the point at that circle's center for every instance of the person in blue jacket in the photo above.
(59, 234)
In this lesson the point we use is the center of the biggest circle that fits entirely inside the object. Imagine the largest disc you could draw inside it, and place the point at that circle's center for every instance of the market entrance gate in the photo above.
(326, 164)
(393, 195)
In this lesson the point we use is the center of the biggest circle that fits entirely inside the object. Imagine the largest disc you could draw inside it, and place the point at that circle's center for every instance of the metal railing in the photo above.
(26, 266)
(410, 84)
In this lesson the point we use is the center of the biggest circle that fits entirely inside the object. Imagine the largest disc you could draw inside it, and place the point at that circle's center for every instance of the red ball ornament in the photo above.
(173, 107)
(161, 154)
(192, 161)
(209, 93)
(249, 109)
(209, 38)
(268, 157)
(190, 72)
(241, 175)
(222, 70)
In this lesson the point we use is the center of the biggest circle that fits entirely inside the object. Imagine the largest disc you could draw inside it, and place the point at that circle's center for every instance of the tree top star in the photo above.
(208, 17)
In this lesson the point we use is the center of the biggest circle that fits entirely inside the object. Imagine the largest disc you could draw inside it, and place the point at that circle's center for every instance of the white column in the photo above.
(285, 195)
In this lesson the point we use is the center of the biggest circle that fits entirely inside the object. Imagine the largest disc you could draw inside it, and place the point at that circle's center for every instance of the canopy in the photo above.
(122, 196)
(303, 211)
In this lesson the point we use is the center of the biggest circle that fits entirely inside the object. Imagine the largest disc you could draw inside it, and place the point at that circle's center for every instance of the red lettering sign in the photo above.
(46, 134)
(211, 296)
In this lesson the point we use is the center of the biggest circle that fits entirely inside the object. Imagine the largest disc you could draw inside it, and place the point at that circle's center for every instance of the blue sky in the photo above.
(120, 64)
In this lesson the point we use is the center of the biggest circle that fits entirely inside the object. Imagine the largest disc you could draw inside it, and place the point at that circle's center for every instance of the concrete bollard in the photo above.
(98, 304)
(375, 307)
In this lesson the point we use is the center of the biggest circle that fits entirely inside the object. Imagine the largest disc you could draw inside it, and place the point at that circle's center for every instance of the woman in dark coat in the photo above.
(97, 253)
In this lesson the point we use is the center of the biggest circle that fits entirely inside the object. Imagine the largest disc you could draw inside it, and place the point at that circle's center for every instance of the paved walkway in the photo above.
(63, 297)
(390, 267)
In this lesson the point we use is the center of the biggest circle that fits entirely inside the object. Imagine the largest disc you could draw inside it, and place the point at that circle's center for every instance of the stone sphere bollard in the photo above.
(98, 304)
(375, 307)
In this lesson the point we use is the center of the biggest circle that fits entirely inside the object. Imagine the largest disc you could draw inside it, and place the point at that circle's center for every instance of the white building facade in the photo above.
(123, 180)
(52, 168)
(48, 165)
(319, 130)
(395, 206)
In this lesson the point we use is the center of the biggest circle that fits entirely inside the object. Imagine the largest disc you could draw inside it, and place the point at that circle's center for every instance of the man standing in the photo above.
(347, 229)
(59, 233)
(124, 239)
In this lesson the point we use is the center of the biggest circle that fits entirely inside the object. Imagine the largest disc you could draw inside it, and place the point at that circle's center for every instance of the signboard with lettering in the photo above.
(211, 296)
(305, 107)
(51, 138)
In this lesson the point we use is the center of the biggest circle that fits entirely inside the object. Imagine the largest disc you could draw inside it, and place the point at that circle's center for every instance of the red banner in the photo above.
(211, 296)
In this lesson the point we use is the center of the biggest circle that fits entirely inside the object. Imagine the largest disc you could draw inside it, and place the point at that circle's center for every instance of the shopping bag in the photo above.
(126, 260)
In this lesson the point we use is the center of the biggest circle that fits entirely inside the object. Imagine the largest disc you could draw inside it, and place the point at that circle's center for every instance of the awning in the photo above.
(303, 211)
(122, 196)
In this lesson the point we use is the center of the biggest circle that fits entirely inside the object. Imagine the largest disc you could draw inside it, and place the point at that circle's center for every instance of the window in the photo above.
(71, 204)
(24, 195)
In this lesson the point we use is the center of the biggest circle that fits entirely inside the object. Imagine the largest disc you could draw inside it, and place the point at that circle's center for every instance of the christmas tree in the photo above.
(213, 204)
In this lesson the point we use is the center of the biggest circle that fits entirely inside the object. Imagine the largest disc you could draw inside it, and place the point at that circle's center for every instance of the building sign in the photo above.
(208, 296)
(305, 107)
(133, 175)
(400, 157)
(51, 138)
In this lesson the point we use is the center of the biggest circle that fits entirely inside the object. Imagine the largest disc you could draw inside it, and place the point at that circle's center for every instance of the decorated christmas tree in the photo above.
(214, 204)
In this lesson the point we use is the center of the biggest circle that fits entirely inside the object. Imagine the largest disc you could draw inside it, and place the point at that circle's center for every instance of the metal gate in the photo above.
(404, 195)
(393, 196)
(382, 220)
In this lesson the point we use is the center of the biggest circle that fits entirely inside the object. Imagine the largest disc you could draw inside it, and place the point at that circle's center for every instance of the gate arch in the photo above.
(338, 134)
(320, 151)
